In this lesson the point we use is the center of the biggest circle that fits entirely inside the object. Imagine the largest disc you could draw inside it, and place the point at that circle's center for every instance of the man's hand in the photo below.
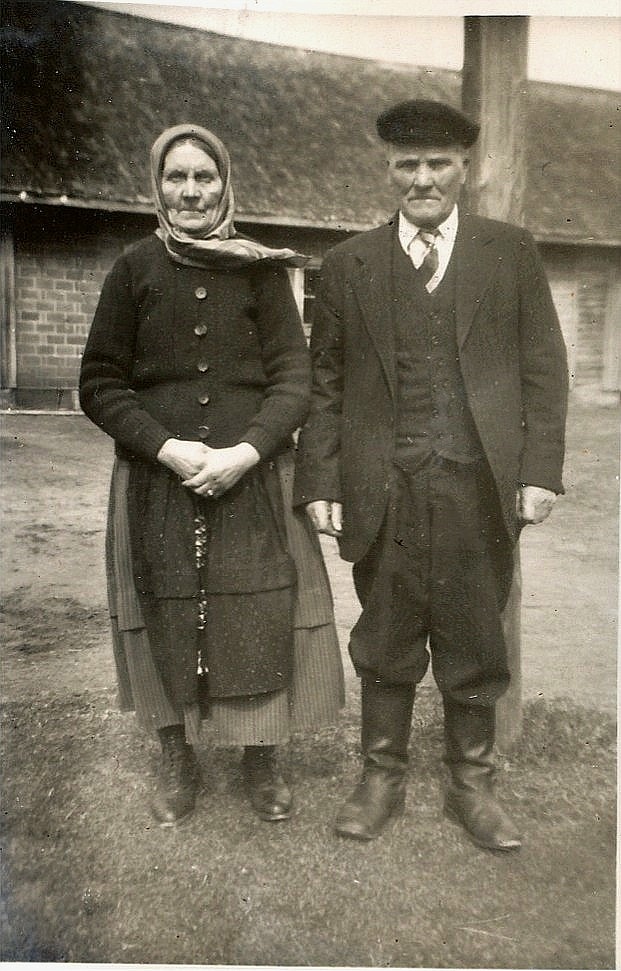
(326, 516)
(534, 504)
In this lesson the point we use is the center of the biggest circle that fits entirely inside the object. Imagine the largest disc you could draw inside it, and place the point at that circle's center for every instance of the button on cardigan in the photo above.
(173, 349)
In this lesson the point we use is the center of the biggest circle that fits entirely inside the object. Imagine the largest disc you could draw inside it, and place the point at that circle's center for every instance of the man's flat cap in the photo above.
(426, 123)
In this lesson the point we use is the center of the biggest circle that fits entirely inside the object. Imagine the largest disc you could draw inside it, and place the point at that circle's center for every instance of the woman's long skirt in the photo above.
(316, 693)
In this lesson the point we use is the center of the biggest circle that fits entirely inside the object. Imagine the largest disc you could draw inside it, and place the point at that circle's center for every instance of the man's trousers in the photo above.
(434, 582)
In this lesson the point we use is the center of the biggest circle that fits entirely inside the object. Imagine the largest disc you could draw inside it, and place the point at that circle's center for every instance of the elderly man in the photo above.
(436, 432)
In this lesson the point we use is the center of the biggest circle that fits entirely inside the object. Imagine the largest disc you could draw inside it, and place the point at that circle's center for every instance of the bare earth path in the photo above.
(54, 492)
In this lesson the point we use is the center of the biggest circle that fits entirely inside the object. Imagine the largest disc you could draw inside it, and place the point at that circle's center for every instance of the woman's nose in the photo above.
(189, 187)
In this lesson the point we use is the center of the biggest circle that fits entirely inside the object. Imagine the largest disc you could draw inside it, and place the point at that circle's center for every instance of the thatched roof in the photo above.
(87, 91)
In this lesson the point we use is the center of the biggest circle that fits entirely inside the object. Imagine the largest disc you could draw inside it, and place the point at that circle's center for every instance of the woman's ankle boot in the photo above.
(268, 792)
(179, 778)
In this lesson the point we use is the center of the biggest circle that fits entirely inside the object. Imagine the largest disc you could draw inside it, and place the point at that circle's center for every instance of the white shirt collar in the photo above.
(446, 229)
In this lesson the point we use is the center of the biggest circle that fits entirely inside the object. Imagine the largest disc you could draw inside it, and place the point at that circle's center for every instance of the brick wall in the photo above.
(61, 258)
(60, 261)
(56, 295)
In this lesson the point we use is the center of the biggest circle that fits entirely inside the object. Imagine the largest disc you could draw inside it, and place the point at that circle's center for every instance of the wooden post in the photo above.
(494, 93)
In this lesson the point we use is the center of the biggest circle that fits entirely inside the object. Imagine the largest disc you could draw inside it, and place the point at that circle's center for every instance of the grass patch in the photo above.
(88, 877)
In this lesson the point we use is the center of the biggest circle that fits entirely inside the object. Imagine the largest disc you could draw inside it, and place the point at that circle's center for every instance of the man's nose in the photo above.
(423, 176)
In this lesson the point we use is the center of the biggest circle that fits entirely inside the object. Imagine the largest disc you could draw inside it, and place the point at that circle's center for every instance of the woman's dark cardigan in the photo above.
(175, 350)
(214, 355)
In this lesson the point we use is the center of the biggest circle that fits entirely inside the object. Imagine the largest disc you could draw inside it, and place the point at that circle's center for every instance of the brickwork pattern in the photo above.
(56, 295)
(57, 286)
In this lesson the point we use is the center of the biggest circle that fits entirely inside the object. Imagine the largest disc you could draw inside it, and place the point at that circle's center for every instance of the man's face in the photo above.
(191, 187)
(427, 181)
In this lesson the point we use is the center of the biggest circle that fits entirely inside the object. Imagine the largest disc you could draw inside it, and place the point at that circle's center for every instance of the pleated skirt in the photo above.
(316, 693)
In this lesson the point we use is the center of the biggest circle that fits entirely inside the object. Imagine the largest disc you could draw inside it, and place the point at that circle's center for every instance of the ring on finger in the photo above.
(210, 493)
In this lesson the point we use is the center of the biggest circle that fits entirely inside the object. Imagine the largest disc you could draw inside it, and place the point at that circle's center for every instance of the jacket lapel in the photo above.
(476, 260)
(371, 284)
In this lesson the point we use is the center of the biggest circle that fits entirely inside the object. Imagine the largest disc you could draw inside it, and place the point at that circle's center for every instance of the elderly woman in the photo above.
(197, 367)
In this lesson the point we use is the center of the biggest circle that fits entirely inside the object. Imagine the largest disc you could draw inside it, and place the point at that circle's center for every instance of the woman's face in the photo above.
(191, 187)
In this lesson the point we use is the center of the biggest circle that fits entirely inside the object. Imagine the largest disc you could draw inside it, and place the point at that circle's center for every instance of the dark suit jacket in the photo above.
(512, 358)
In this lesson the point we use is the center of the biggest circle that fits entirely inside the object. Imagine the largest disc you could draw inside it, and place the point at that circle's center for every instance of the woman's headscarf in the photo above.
(219, 242)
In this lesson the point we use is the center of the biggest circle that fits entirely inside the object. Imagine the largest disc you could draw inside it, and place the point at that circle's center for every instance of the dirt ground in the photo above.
(54, 492)
(85, 877)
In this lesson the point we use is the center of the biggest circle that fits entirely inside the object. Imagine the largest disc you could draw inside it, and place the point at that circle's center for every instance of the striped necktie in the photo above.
(430, 263)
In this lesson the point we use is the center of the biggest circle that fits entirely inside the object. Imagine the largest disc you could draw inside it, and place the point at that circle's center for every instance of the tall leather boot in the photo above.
(179, 778)
(268, 792)
(380, 794)
(469, 735)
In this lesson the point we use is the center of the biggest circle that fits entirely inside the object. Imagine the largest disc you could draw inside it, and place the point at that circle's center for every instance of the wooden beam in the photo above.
(494, 93)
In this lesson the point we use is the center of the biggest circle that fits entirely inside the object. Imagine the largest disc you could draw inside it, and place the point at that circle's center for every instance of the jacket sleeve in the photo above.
(286, 363)
(106, 395)
(543, 374)
(318, 467)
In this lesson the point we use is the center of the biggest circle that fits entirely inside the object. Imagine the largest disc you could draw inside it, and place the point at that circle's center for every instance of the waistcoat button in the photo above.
(200, 330)
(202, 366)
(203, 431)
(203, 399)
(200, 293)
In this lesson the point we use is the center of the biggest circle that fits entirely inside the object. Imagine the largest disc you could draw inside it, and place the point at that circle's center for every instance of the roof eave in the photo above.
(577, 240)
(146, 208)
(29, 198)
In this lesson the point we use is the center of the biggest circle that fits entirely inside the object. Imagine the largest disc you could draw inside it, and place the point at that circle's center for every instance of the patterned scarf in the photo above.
(220, 242)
